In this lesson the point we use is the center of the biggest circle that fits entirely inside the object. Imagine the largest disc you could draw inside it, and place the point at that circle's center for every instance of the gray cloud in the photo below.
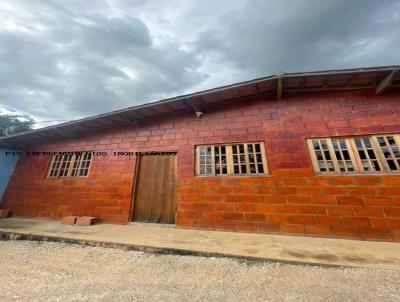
(69, 59)
(304, 35)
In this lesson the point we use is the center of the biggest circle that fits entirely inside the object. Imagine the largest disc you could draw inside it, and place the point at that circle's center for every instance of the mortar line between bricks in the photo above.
(160, 250)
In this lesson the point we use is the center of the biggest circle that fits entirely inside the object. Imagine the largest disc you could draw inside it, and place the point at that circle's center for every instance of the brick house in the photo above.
(313, 153)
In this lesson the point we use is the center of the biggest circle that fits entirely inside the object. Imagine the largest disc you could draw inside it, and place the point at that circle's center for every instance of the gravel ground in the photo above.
(36, 271)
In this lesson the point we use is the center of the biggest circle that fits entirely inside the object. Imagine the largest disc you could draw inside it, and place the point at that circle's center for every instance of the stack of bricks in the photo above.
(83, 220)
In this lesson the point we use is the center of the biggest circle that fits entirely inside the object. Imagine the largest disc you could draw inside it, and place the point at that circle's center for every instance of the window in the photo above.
(389, 146)
(230, 159)
(366, 154)
(70, 164)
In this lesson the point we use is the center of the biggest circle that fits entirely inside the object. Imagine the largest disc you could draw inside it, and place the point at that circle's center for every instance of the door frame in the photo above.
(136, 177)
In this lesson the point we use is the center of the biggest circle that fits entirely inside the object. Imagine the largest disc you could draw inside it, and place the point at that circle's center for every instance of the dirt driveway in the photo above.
(32, 271)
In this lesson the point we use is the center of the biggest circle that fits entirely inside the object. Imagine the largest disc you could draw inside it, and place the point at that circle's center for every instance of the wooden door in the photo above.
(155, 188)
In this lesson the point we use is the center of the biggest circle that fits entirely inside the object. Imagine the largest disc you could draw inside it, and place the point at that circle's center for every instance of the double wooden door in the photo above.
(155, 188)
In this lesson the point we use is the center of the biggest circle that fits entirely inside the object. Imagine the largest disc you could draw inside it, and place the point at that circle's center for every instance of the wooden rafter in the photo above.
(386, 82)
(237, 93)
(279, 88)
(63, 134)
(351, 79)
(129, 120)
(195, 107)
(325, 83)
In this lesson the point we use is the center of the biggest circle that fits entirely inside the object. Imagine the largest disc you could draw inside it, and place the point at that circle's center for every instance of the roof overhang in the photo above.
(378, 79)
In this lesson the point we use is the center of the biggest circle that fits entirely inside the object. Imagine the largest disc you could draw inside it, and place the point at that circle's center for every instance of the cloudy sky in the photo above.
(66, 59)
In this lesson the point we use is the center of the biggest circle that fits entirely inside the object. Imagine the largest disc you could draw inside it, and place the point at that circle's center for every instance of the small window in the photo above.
(367, 154)
(390, 151)
(323, 154)
(70, 165)
(230, 159)
(343, 156)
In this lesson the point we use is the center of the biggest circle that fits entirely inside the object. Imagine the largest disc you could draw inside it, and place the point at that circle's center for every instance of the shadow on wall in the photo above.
(7, 164)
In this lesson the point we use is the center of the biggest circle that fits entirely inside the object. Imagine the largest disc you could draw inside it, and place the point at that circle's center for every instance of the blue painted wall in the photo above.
(7, 164)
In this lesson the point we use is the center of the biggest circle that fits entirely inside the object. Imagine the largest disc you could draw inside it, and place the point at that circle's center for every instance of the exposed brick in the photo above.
(334, 191)
(324, 199)
(286, 190)
(233, 216)
(299, 199)
(278, 218)
(294, 181)
(309, 191)
(342, 181)
(224, 206)
(356, 222)
(377, 201)
(246, 227)
(86, 220)
(252, 198)
(368, 211)
(249, 181)
(396, 235)
(275, 199)
(193, 214)
(292, 228)
(385, 223)
(302, 172)
(254, 217)
(266, 208)
(314, 209)
(388, 191)
(368, 180)
(350, 200)
(370, 233)
(281, 172)
(302, 219)
(340, 210)
(69, 220)
(391, 181)
(347, 232)
(244, 207)
(392, 211)
(337, 124)
(318, 229)
(268, 227)
(211, 215)
(289, 209)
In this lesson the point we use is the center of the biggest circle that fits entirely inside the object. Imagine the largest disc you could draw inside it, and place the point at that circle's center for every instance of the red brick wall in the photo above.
(290, 200)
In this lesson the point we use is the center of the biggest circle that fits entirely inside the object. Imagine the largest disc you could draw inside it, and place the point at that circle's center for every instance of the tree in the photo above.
(13, 124)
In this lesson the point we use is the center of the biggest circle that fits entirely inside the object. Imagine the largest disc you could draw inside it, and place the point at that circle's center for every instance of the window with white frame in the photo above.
(231, 159)
(71, 164)
(364, 154)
